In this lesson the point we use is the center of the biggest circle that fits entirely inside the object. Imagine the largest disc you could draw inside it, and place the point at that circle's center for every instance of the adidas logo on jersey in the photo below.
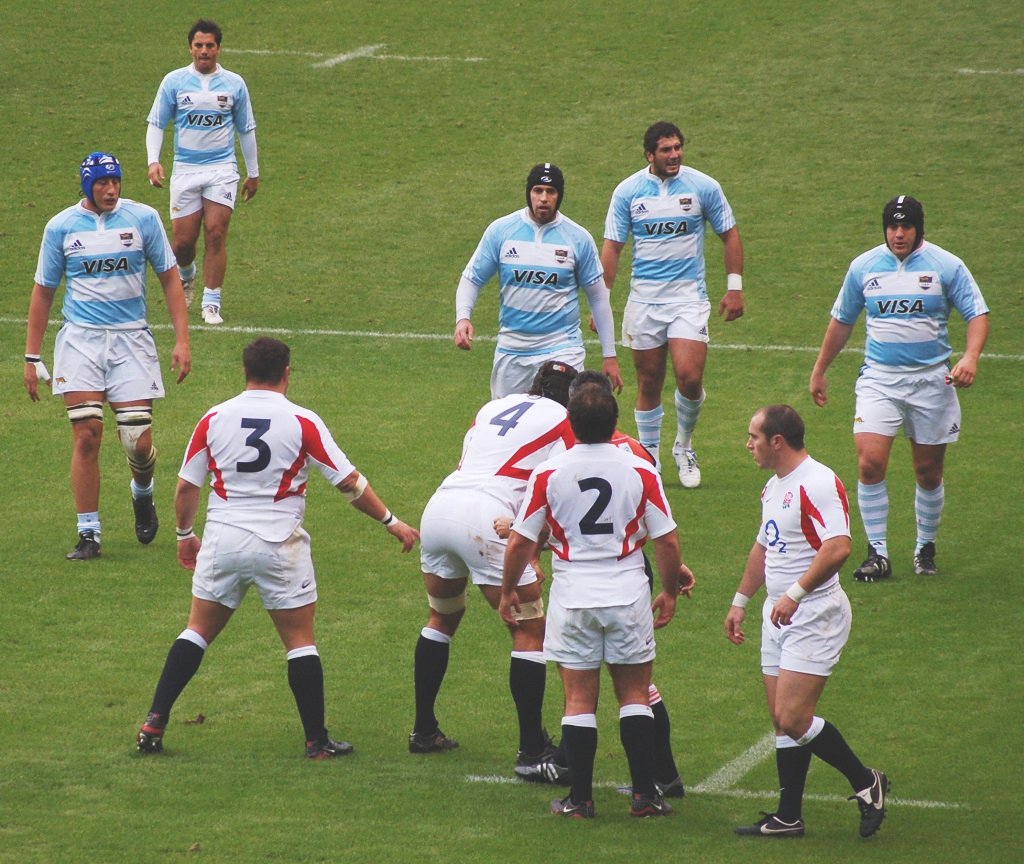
(873, 285)
(511, 254)
(77, 246)
(954, 429)
(640, 209)
(186, 101)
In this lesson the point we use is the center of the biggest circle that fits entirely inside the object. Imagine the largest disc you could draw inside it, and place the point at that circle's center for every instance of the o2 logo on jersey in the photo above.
(774, 537)
(534, 277)
(193, 118)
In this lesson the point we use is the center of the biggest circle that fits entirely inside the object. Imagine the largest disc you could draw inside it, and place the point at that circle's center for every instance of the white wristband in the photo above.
(184, 533)
(734, 282)
(740, 600)
(389, 518)
(796, 592)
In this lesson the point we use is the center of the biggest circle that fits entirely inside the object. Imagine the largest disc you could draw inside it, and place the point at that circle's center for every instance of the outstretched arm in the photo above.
(836, 337)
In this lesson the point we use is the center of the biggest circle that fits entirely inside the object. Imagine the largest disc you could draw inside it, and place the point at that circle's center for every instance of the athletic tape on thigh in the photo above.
(531, 610)
(85, 411)
(447, 605)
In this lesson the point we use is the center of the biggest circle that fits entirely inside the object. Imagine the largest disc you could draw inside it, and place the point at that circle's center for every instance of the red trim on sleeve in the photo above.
(808, 516)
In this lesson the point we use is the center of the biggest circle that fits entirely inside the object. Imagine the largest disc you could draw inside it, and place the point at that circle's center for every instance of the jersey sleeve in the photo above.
(716, 207)
(158, 248)
(164, 105)
(321, 450)
(51, 264)
(195, 464)
(484, 263)
(964, 293)
(533, 513)
(241, 111)
(657, 515)
(588, 264)
(850, 301)
(617, 222)
(824, 509)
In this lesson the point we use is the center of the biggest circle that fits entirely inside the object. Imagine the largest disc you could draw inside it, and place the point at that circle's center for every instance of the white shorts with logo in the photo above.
(921, 402)
(231, 559)
(457, 538)
(188, 189)
(584, 638)
(649, 325)
(814, 641)
(123, 364)
(514, 373)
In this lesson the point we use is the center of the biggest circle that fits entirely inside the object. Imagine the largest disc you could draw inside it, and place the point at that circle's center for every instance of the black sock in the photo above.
(526, 680)
(580, 746)
(830, 746)
(431, 661)
(181, 664)
(665, 770)
(792, 763)
(637, 735)
(306, 678)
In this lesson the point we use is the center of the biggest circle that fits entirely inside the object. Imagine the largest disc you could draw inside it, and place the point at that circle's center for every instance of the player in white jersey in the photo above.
(105, 351)
(509, 438)
(906, 287)
(542, 260)
(599, 505)
(803, 540)
(257, 450)
(207, 105)
(665, 207)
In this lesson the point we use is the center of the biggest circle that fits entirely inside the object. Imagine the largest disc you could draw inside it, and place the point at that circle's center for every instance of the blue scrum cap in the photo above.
(95, 166)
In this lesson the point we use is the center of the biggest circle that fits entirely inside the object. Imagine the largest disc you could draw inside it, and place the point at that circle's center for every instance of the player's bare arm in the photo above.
(38, 316)
(732, 306)
(360, 495)
(830, 557)
(666, 554)
(186, 506)
(611, 250)
(966, 368)
(750, 584)
(174, 294)
(836, 336)
(518, 553)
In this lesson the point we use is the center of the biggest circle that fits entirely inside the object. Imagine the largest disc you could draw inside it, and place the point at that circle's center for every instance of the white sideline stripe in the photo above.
(732, 772)
(990, 71)
(498, 779)
(444, 337)
(367, 51)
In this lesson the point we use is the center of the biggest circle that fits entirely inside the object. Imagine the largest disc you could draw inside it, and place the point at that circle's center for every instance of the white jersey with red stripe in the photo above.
(601, 504)
(799, 512)
(510, 437)
(258, 448)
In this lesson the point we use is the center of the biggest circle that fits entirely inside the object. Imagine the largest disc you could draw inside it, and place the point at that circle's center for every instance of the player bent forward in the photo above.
(803, 540)
(510, 436)
(258, 448)
(600, 504)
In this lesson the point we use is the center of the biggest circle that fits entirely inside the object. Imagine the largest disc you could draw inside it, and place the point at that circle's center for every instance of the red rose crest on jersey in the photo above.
(787, 500)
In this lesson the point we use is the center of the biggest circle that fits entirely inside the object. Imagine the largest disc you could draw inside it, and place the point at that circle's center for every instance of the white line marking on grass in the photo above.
(445, 337)
(729, 774)
(990, 71)
(368, 52)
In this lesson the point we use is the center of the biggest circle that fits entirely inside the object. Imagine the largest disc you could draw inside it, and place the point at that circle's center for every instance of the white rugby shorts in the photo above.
(188, 189)
(649, 325)
(514, 373)
(921, 402)
(584, 638)
(123, 364)
(814, 641)
(457, 538)
(232, 558)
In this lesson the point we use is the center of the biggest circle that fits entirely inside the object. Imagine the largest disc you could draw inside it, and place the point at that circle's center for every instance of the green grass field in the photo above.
(390, 134)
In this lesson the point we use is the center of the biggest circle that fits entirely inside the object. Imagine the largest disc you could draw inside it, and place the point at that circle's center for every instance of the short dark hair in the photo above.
(205, 25)
(593, 413)
(783, 420)
(590, 376)
(265, 360)
(662, 129)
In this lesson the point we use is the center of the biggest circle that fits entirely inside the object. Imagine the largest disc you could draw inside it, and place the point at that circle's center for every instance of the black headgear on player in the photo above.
(545, 174)
(904, 210)
(552, 380)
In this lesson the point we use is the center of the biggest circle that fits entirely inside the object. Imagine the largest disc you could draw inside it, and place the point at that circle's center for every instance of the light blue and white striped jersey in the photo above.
(666, 219)
(907, 304)
(206, 111)
(540, 269)
(102, 258)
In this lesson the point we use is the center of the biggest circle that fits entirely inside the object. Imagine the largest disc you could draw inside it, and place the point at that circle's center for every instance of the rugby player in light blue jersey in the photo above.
(542, 259)
(207, 105)
(906, 287)
(665, 207)
(105, 351)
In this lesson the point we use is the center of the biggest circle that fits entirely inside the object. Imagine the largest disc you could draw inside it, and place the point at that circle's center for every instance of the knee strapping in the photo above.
(132, 424)
(531, 610)
(447, 605)
(85, 411)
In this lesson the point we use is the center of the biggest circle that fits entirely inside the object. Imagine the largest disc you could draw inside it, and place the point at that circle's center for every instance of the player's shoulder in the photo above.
(573, 229)
(131, 207)
(178, 77)
(66, 218)
(929, 256)
(226, 76)
(698, 180)
(508, 223)
(876, 258)
(638, 183)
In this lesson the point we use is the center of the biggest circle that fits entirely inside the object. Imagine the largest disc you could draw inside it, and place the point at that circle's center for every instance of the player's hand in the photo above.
(463, 334)
(34, 373)
(250, 187)
(188, 550)
(181, 359)
(783, 610)
(610, 367)
(665, 607)
(509, 608)
(503, 527)
(731, 306)
(687, 581)
(539, 570)
(962, 375)
(405, 534)
(592, 325)
(156, 175)
(734, 625)
(819, 389)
